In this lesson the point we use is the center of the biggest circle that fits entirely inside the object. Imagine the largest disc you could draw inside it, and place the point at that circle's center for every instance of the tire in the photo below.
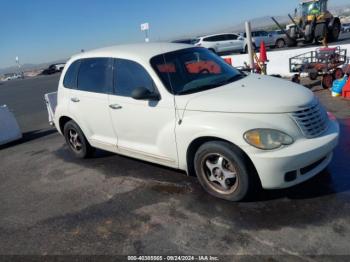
(309, 34)
(223, 171)
(291, 42)
(76, 140)
(280, 43)
(333, 32)
(320, 32)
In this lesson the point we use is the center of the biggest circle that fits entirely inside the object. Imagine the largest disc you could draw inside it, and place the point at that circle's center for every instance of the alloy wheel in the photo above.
(220, 173)
(74, 140)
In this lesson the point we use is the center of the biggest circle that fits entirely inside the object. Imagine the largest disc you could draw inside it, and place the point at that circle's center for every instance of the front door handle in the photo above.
(115, 106)
(75, 99)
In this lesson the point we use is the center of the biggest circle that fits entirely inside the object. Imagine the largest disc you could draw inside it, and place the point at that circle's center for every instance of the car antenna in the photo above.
(172, 90)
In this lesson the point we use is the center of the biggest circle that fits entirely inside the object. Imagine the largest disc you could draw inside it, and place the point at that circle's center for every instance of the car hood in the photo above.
(252, 94)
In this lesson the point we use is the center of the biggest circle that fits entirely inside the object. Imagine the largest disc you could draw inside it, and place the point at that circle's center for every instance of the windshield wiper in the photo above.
(198, 89)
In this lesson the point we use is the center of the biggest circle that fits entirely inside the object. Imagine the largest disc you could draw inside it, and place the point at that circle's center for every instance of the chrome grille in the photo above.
(312, 120)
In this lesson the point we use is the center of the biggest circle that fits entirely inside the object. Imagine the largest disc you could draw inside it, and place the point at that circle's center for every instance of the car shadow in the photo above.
(331, 181)
(30, 136)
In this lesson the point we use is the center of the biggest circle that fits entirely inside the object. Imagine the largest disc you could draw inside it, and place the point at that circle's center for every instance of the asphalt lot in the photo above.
(51, 203)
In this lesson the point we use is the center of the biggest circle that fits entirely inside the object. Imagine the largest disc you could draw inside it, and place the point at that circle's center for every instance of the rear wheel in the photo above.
(223, 171)
(333, 33)
(320, 32)
(76, 140)
(291, 40)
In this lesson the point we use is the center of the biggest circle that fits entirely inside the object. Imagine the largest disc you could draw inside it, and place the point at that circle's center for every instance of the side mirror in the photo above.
(142, 93)
(241, 38)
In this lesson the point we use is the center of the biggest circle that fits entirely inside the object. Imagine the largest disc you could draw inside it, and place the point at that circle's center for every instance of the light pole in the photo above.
(18, 65)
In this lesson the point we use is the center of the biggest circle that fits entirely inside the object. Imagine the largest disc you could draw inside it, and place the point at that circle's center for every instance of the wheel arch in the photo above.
(199, 141)
(63, 120)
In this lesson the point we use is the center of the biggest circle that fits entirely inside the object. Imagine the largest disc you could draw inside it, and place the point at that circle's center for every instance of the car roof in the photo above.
(141, 51)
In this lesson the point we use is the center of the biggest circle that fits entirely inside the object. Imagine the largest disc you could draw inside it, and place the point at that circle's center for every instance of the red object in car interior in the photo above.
(167, 68)
(209, 67)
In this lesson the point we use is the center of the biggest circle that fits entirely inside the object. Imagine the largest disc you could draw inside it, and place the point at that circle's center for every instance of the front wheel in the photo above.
(223, 171)
(76, 140)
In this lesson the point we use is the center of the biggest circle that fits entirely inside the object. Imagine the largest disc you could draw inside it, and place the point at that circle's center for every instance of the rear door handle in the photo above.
(115, 106)
(75, 99)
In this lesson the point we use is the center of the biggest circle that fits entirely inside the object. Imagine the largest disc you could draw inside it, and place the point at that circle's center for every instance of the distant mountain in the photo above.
(29, 67)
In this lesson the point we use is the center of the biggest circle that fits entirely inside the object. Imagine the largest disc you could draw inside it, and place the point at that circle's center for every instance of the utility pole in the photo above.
(18, 65)
(248, 31)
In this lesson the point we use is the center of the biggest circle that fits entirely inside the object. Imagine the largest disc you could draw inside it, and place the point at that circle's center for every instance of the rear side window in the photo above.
(129, 75)
(215, 38)
(70, 79)
(231, 37)
(96, 75)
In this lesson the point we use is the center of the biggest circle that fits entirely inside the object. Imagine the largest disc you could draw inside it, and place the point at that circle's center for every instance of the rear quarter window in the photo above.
(71, 76)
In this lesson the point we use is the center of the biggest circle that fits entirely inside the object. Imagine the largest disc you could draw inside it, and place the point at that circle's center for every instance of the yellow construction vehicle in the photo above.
(312, 22)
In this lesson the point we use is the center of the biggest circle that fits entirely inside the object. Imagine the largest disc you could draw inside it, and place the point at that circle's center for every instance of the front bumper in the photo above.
(305, 158)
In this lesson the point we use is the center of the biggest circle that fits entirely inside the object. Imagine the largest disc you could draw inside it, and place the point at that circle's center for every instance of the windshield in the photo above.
(311, 8)
(193, 70)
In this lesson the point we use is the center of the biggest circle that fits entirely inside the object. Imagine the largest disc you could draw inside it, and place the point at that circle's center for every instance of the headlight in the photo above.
(267, 139)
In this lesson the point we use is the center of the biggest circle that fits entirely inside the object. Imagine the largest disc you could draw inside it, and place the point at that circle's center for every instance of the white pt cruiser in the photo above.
(184, 107)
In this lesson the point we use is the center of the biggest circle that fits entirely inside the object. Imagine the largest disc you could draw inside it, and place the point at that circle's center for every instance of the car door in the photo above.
(89, 102)
(224, 43)
(235, 43)
(257, 38)
(268, 38)
(145, 128)
(215, 42)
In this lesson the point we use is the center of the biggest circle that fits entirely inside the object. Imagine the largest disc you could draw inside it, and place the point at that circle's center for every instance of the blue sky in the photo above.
(42, 31)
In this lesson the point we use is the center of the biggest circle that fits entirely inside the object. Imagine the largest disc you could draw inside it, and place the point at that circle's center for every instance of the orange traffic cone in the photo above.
(263, 54)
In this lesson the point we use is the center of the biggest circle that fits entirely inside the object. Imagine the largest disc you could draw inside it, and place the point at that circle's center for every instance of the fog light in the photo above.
(290, 176)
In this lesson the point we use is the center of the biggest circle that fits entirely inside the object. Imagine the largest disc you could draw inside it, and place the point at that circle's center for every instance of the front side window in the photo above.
(193, 70)
(129, 75)
(95, 75)
(70, 79)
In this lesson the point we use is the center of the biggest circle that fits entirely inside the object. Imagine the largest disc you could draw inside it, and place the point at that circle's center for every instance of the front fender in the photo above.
(227, 126)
